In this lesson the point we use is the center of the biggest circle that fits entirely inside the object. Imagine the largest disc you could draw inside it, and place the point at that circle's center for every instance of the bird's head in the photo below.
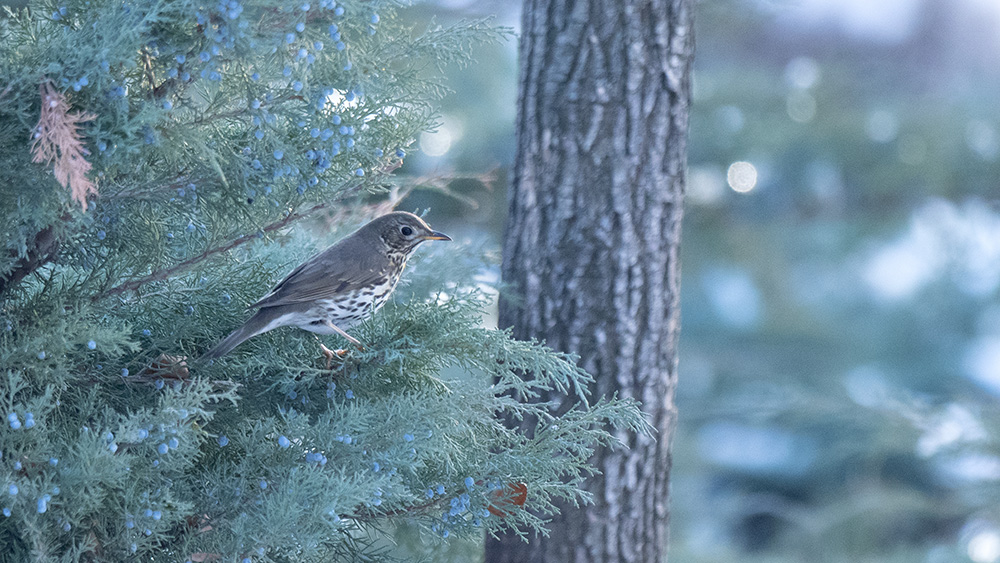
(402, 231)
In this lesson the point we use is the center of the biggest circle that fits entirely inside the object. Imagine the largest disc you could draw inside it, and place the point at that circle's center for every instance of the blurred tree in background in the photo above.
(841, 401)
(840, 358)
(160, 159)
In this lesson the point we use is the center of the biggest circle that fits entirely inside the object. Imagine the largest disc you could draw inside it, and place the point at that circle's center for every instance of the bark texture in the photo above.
(592, 240)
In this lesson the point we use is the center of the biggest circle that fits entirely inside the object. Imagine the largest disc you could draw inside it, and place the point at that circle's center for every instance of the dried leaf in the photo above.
(512, 494)
(57, 139)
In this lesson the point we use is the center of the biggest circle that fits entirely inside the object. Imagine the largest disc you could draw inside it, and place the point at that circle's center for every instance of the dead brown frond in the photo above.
(57, 139)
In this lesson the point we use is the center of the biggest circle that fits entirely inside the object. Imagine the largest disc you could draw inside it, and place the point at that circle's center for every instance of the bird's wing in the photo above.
(345, 266)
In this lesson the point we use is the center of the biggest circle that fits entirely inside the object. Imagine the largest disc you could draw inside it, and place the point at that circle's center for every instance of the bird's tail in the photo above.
(254, 326)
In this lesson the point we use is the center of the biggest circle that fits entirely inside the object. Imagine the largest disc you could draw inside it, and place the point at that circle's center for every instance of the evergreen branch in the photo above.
(165, 273)
(139, 193)
(236, 112)
(364, 514)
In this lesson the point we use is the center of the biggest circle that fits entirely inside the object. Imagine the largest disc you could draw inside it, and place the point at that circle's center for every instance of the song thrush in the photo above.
(341, 286)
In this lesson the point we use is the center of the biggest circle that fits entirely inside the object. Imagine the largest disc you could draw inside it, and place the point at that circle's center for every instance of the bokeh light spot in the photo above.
(882, 126)
(801, 106)
(984, 547)
(802, 73)
(439, 142)
(742, 176)
(982, 139)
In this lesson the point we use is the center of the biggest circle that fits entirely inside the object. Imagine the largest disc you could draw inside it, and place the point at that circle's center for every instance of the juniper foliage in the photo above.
(208, 131)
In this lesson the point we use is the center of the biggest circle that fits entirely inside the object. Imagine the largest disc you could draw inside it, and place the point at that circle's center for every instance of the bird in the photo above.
(339, 287)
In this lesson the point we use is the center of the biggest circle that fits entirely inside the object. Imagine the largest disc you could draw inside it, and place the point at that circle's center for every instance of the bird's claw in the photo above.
(330, 355)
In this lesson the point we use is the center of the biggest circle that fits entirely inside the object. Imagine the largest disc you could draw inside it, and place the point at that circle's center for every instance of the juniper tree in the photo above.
(159, 159)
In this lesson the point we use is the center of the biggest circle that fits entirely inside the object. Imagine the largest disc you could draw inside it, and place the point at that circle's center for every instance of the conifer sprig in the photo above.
(57, 140)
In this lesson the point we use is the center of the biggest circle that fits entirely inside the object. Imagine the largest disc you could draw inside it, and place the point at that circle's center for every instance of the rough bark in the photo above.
(592, 240)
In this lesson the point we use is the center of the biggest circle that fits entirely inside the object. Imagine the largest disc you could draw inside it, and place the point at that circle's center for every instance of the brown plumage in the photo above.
(341, 286)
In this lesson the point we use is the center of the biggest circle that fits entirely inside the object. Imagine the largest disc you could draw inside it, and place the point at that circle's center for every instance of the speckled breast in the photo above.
(355, 306)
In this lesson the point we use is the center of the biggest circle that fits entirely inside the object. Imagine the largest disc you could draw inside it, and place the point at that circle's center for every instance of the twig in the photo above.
(362, 514)
(151, 193)
(441, 183)
(237, 112)
(148, 70)
(165, 273)
(395, 197)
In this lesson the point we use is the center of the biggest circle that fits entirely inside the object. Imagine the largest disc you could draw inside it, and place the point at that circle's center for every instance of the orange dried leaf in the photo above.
(57, 140)
(513, 494)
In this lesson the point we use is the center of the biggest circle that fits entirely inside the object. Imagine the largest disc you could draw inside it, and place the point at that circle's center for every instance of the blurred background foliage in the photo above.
(840, 362)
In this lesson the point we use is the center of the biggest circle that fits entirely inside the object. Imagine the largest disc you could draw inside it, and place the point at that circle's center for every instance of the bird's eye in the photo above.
(406, 231)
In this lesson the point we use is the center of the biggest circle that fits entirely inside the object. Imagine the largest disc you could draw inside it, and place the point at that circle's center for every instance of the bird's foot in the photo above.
(330, 355)
(165, 367)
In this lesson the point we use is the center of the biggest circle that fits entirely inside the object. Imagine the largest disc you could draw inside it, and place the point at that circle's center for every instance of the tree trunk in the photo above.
(592, 240)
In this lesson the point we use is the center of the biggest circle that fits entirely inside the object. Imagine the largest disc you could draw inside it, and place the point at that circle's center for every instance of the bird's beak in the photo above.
(436, 236)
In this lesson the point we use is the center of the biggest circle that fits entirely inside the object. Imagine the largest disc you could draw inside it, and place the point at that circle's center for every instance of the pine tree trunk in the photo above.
(592, 242)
